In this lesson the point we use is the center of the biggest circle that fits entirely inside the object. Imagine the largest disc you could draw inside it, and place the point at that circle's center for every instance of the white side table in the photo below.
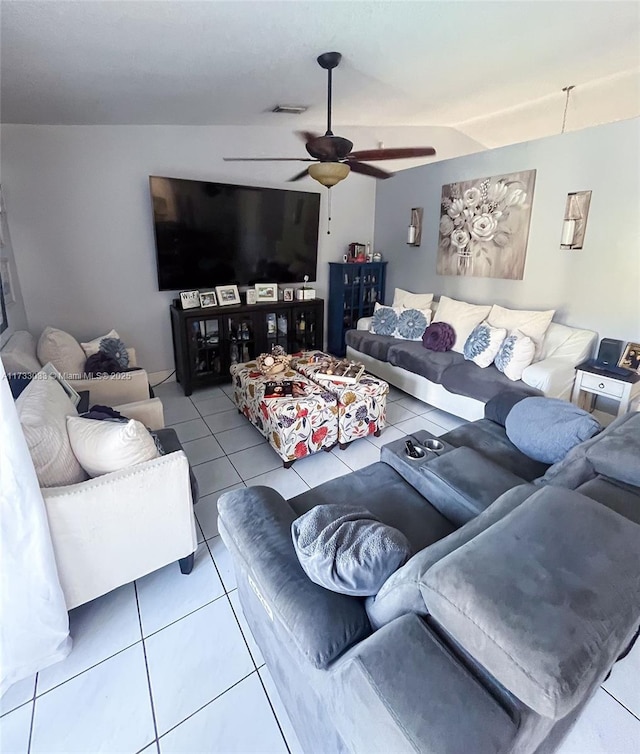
(595, 383)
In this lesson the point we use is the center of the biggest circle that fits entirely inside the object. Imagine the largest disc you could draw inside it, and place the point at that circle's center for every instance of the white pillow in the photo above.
(532, 323)
(93, 346)
(63, 351)
(515, 355)
(462, 317)
(106, 446)
(483, 344)
(409, 300)
(43, 408)
(19, 354)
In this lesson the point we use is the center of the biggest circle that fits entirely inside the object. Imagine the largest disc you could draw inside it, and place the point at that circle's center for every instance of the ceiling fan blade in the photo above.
(360, 167)
(300, 175)
(307, 136)
(393, 154)
(267, 159)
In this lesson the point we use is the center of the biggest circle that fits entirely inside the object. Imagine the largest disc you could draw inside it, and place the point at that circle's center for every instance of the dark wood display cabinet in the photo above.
(353, 292)
(206, 342)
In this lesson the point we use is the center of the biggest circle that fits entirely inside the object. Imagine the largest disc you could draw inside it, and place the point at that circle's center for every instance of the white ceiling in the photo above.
(211, 63)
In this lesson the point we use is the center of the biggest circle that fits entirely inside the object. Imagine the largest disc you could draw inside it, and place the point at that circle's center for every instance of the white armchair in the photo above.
(118, 527)
(20, 354)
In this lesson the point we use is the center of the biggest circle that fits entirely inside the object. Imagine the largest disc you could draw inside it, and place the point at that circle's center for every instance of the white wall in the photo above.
(597, 287)
(81, 219)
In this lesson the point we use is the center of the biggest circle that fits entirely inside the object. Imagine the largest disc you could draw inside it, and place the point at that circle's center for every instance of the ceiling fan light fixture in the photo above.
(329, 173)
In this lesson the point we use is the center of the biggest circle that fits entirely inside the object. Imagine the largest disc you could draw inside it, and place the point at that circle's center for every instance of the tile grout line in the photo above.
(624, 707)
(266, 693)
(146, 666)
(33, 714)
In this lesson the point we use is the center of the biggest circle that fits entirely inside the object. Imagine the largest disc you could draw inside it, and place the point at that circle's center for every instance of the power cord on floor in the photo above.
(165, 379)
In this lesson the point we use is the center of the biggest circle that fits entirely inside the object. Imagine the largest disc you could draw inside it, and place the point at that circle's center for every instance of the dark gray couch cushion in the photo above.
(386, 494)
(414, 357)
(621, 498)
(617, 454)
(255, 525)
(544, 599)
(347, 550)
(472, 381)
(547, 428)
(373, 345)
(490, 440)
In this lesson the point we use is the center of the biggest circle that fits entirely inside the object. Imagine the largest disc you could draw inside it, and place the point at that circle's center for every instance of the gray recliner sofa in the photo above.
(523, 589)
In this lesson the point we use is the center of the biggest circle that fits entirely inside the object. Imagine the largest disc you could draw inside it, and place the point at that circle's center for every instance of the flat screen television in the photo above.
(210, 234)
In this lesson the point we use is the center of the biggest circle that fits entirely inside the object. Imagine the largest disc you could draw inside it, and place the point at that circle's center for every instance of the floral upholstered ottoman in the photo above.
(361, 405)
(295, 426)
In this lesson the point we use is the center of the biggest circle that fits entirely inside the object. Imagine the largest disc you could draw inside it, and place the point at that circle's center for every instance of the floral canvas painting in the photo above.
(484, 226)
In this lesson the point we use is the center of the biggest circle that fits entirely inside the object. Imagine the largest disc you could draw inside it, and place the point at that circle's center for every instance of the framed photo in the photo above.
(251, 296)
(227, 295)
(7, 282)
(288, 294)
(190, 299)
(630, 358)
(208, 298)
(266, 292)
(52, 372)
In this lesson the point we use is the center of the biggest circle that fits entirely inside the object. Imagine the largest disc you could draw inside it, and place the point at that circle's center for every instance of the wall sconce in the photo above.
(574, 225)
(414, 233)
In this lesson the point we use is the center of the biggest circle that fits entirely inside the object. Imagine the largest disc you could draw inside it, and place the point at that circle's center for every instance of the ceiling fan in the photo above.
(331, 156)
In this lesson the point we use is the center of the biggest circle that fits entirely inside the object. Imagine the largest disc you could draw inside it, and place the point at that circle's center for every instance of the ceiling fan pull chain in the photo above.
(329, 211)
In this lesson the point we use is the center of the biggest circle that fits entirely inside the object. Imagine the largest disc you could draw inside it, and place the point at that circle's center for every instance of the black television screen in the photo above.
(210, 234)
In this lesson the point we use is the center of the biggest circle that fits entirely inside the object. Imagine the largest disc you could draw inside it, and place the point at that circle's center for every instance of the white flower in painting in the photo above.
(460, 238)
(483, 227)
(457, 205)
(501, 238)
(517, 197)
(497, 192)
(446, 225)
(472, 197)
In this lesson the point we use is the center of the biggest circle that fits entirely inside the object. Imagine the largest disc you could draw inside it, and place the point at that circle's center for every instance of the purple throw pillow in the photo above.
(439, 336)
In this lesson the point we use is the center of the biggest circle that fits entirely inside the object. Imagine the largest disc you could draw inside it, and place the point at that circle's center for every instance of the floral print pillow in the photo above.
(483, 344)
(406, 324)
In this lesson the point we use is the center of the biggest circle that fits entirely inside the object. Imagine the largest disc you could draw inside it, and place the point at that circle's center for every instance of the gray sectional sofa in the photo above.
(523, 589)
(449, 382)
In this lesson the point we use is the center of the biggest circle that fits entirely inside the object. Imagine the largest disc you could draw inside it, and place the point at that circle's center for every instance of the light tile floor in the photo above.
(168, 664)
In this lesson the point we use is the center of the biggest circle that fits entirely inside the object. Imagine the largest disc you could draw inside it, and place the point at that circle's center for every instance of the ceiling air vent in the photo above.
(290, 109)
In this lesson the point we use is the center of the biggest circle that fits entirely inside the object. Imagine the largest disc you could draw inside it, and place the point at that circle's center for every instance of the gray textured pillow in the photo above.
(546, 429)
(347, 550)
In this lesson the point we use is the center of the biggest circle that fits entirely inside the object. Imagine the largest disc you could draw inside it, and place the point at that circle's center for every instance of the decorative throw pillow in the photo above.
(546, 429)
(62, 350)
(409, 300)
(462, 317)
(534, 324)
(483, 344)
(115, 349)
(93, 346)
(384, 321)
(43, 408)
(515, 355)
(439, 336)
(19, 354)
(411, 324)
(347, 550)
(105, 446)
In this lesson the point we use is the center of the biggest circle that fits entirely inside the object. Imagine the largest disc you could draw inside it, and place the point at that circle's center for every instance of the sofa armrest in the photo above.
(364, 323)
(408, 692)
(255, 525)
(115, 389)
(553, 376)
(149, 412)
(118, 527)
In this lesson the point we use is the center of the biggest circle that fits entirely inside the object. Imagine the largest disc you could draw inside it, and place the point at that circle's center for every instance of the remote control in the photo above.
(411, 449)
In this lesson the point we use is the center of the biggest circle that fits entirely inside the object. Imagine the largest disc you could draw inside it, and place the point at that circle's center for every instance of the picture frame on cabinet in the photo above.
(266, 292)
(208, 298)
(251, 296)
(287, 294)
(190, 299)
(228, 295)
